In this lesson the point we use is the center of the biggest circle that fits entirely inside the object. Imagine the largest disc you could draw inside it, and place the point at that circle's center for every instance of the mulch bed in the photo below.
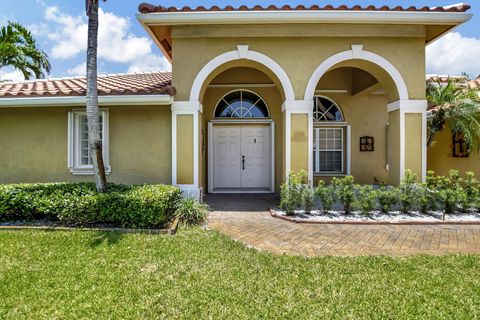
(294, 219)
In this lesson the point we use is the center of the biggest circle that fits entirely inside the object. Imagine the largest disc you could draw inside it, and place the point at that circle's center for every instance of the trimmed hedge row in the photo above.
(143, 206)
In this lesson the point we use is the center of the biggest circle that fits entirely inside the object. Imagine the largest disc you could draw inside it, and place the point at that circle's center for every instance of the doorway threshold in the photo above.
(242, 190)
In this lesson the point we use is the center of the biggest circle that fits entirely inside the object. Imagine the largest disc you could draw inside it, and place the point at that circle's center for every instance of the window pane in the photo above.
(83, 150)
(241, 104)
(325, 109)
(330, 153)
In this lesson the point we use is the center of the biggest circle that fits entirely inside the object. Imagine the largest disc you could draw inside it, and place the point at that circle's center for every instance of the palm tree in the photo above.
(93, 115)
(19, 50)
(457, 106)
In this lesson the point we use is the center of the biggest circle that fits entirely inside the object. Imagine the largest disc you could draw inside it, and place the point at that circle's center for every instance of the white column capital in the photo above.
(409, 106)
(187, 107)
(298, 106)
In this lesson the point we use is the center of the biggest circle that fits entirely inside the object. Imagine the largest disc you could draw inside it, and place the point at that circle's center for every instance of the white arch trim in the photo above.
(357, 52)
(242, 52)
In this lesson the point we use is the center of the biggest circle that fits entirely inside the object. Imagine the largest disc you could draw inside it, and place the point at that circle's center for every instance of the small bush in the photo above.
(471, 186)
(408, 195)
(143, 206)
(345, 191)
(366, 199)
(388, 197)
(291, 192)
(427, 198)
(326, 195)
(192, 212)
(308, 197)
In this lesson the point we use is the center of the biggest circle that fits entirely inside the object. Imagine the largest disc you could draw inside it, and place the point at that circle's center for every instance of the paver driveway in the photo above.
(245, 218)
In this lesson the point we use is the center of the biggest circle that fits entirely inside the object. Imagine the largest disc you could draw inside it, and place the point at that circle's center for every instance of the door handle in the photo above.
(243, 162)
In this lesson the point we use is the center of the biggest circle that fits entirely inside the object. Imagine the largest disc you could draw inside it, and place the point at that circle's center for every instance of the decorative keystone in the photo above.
(242, 51)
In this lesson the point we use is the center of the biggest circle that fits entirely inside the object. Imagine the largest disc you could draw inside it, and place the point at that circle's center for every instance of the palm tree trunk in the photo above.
(93, 115)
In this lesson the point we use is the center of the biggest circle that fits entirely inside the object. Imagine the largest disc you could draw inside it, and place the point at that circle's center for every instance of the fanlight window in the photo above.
(326, 110)
(241, 104)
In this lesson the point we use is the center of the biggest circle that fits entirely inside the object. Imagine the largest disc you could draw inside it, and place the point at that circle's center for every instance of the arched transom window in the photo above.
(241, 104)
(325, 109)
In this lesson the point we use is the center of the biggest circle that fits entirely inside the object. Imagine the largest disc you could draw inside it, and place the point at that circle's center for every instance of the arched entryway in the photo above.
(377, 129)
(242, 122)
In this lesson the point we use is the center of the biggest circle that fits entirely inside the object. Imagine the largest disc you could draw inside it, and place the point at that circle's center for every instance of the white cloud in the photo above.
(151, 62)
(116, 43)
(10, 74)
(78, 70)
(454, 54)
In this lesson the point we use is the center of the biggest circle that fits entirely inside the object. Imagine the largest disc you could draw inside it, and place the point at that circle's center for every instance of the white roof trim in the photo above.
(302, 16)
(117, 100)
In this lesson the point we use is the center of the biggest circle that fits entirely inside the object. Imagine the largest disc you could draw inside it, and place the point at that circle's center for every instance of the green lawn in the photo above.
(201, 274)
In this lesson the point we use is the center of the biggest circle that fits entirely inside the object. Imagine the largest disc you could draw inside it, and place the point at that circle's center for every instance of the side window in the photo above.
(79, 157)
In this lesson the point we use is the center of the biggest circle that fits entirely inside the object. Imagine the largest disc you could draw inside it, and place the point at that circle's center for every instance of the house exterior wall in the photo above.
(393, 141)
(440, 159)
(367, 115)
(413, 143)
(300, 138)
(34, 145)
(185, 149)
(404, 48)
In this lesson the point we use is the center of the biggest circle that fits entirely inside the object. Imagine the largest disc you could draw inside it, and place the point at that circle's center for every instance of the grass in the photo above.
(201, 274)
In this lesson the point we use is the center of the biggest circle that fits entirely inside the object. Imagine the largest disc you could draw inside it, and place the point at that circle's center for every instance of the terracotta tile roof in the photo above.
(445, 78)
(149, 8)
(474, 84)
(111, 84)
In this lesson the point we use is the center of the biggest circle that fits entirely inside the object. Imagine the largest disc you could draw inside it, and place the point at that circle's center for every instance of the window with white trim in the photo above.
(79, 157)
(328, 137)
(328, 150)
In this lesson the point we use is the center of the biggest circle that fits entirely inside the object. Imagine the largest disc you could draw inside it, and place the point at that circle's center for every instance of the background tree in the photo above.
(93, 115)
(457, 106)
(19, 50)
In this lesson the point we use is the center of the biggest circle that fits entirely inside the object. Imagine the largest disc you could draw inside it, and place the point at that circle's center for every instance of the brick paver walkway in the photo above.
(245, 218)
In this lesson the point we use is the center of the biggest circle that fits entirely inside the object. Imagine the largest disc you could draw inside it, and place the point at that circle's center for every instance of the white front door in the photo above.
(241, 158)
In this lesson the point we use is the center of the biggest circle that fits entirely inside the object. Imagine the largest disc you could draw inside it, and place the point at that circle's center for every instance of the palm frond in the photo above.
(19, 50)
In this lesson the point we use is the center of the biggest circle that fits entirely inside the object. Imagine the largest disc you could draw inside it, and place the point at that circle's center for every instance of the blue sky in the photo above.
(60, 28)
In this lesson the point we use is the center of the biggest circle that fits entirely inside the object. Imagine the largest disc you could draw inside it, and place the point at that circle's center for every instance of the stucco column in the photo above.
(298, 136)
(407, 139)
(185, 147)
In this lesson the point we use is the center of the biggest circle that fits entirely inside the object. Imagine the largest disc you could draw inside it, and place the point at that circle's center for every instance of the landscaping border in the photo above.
(274, 214)
(171, 230)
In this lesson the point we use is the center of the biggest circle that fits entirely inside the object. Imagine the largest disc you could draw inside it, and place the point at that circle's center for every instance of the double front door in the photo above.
(241, 158)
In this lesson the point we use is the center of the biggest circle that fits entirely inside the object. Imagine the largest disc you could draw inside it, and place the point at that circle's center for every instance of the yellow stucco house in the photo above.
(254, 94)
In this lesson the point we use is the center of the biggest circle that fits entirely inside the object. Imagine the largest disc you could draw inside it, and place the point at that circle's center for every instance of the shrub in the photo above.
(427, 197)
(345, 190)
(326, 195)
(388, 197)
(366, 198)
(291, 192)
(471, 187)
(191, 212)
(308, 198)
(286, 202)
(408, 188)
(143, 206)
